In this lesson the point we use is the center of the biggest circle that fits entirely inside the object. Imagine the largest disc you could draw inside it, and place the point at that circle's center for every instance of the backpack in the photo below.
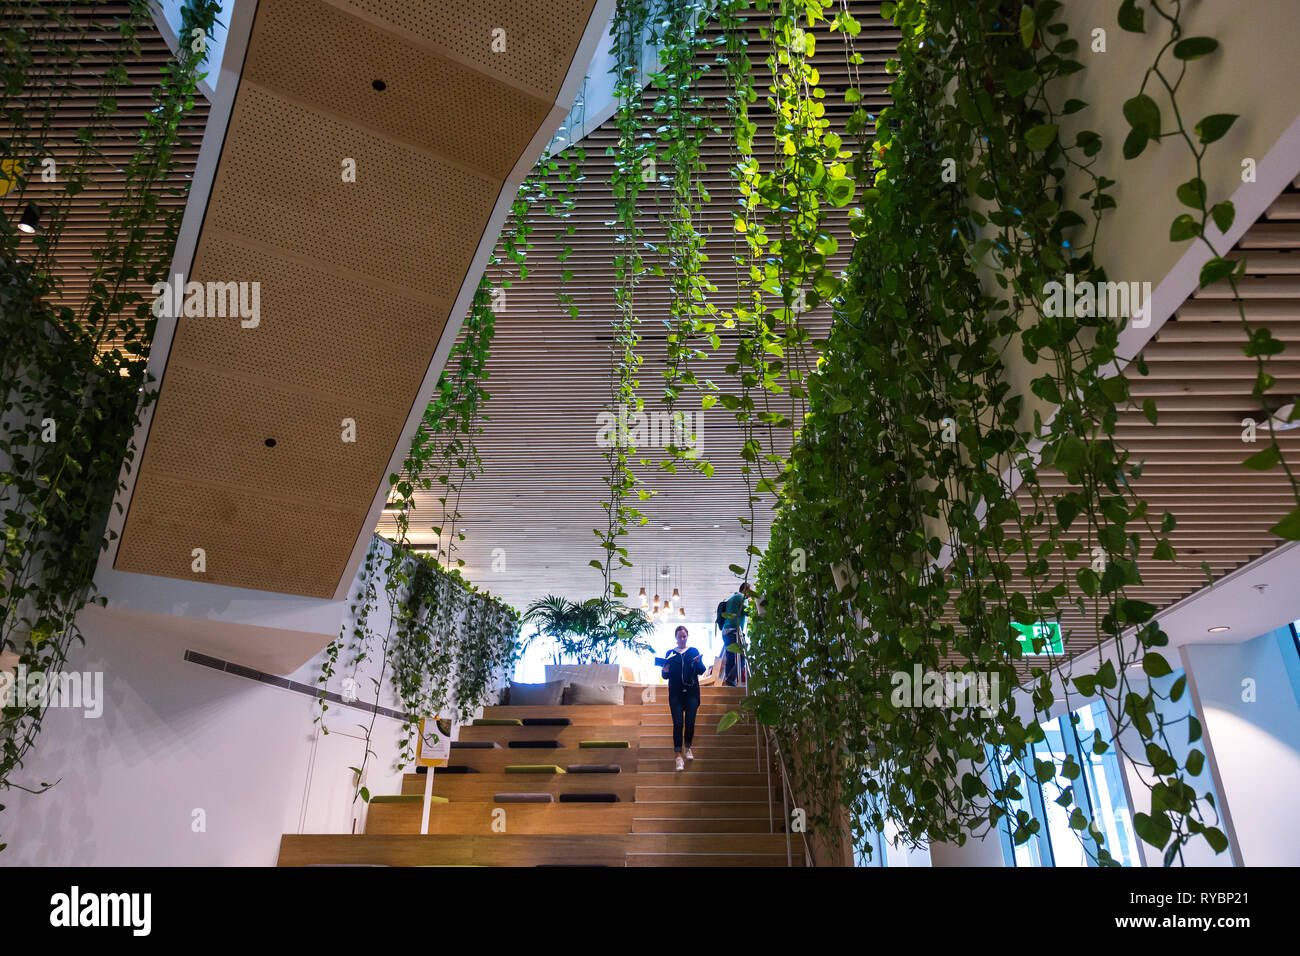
(722, 610)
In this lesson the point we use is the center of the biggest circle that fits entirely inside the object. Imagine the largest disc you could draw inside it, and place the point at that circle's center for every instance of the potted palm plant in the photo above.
(587, 635)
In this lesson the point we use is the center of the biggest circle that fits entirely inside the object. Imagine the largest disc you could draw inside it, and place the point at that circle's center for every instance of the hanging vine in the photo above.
(73, 379)
(901, 541)
(630, 154)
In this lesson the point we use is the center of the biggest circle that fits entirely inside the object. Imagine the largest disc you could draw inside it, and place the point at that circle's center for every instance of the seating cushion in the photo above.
(546, 721)
(406, 798)
(595, 768)
(498, 722)
(523, 798)
(586, 694)
(589, 798)
(534, 768)
(473, 745)
(539, 744)
(611, 744)
(549, 694)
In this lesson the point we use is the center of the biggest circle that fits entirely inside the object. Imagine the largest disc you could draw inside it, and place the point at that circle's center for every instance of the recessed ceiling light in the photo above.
(379, 86)
(1220, 628)
(668, 527)
(270, 443)
(717, 526)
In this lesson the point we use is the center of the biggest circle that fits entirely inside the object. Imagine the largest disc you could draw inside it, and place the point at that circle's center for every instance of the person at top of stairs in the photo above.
(682, 666)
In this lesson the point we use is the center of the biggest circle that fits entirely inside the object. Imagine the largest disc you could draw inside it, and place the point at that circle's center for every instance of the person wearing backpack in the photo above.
(682, 666)
(731, 618)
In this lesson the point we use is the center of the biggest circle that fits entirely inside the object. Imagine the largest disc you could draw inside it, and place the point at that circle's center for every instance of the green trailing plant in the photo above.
(682, 33)
(445, 646)
(926, 507)
(73, 372)
(1146, 120)
(630, 152)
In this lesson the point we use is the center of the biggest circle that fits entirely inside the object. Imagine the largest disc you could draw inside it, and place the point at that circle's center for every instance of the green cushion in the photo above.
(498, 722)
(605, 743)
(406, 798)
(534, 768)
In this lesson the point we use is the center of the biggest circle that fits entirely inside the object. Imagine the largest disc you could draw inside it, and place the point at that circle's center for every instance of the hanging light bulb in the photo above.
(643, 598)
(681, 611)
(677, 595)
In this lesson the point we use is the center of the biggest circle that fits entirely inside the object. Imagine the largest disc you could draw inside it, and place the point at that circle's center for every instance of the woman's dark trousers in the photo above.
(683, 706)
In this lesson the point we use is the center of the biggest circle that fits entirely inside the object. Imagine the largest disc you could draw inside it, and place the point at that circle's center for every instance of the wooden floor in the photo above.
(724, 809)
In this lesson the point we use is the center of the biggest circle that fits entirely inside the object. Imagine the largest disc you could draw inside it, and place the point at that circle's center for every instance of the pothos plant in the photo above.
(443, 645)
(902, 540)
(72, 373)
(631, 150)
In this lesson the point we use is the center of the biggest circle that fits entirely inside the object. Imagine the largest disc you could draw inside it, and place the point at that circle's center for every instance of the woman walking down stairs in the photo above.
(580, 785)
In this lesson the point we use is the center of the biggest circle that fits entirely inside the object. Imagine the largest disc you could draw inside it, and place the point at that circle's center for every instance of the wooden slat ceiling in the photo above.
(246, 456)
(1192, 457)
(538, 496)
(117, 141)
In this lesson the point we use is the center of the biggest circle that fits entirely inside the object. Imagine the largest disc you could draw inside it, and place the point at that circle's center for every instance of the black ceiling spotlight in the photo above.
(270, 443)
(379, 86)
(31, 220)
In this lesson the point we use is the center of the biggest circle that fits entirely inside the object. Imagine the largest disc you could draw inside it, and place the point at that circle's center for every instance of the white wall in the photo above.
(1198, 852)
(1255, 742)
(177, 736)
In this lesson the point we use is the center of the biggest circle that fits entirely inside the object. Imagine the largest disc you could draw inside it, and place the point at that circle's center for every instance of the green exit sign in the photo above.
(1049, 634)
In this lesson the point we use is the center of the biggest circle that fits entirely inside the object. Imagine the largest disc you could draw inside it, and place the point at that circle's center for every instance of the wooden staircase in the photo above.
(724, 809)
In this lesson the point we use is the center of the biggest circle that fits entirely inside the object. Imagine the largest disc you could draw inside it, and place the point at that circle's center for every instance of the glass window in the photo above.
(1098, 792)
(1105, 786)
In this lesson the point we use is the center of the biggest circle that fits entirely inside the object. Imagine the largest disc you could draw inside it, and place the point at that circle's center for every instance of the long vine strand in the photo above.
(921, 549)
(76, 414)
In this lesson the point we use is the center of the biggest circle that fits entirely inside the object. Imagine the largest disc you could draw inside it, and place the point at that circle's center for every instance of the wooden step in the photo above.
(734, 810)
(569, 737)
(481, 787)
(654, 736)
(691, 824)
(675, 860)
(495, 761)
(688, 794)
(693, 777)
(664, 764)
(703, 722)
(599, 715)
(493, 849)
(706, 843)
(709, 693)
(478, 817)
(664, 751)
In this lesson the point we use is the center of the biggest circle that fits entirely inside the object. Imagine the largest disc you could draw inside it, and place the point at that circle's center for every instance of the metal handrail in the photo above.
(787, 794)
(787, 791)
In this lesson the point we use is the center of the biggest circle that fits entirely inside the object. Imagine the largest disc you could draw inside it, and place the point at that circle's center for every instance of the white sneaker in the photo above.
(680, 763)
(689, 755)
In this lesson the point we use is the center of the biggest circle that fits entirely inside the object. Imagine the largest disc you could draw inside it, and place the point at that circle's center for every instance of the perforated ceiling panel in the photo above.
(527, 42)
(275, 425)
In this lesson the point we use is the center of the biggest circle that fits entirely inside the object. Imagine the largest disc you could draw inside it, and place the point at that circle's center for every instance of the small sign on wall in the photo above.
(433, 749)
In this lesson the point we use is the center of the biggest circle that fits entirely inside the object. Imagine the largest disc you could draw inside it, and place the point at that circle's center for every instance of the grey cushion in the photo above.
(537, 695)
(523, 798)
(595, 694)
